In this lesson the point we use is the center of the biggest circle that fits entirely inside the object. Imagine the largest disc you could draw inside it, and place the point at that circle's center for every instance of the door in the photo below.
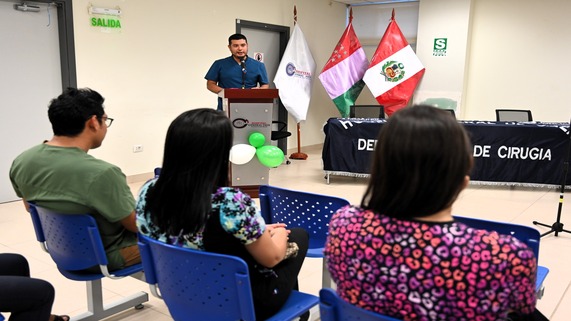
(267, 42)
(31, 76)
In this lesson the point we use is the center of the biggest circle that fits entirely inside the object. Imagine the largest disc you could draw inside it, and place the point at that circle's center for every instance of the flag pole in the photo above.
(299, 154)
(350, 15)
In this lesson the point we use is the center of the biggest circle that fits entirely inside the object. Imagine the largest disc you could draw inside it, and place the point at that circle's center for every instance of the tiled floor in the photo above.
(518, 205)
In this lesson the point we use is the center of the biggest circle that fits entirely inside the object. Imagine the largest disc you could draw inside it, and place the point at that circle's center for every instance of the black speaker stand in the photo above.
(557, 227)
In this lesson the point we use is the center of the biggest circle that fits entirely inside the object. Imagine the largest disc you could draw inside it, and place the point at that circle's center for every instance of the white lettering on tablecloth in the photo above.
(346, 123)
(482, 151)
(514, 152)
(532, 153)
(366, 144)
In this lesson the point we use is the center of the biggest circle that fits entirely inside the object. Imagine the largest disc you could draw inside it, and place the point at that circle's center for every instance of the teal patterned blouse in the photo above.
(238, 217)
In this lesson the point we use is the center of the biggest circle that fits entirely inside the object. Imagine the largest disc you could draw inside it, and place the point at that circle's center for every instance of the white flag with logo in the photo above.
(295, 74)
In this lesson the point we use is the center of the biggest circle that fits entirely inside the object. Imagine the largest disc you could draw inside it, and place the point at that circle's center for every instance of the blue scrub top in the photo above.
(227, 73)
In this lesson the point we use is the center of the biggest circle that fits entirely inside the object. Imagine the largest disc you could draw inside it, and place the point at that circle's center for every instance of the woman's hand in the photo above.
(272, 227)
(270, 248)
(279, 235)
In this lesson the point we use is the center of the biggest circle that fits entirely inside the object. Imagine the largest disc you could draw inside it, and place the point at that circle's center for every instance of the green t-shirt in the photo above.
(68, 180)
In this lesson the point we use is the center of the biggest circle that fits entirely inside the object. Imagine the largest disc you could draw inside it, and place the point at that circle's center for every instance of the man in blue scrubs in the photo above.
(236, 71)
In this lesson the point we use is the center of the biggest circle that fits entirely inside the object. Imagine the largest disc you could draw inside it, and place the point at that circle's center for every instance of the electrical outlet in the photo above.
(137, 148)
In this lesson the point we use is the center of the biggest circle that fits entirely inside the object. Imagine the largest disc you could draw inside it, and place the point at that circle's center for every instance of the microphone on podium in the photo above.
(243, 65)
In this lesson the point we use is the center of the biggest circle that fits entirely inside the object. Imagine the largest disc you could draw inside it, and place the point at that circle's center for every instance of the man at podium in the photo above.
(236, 71)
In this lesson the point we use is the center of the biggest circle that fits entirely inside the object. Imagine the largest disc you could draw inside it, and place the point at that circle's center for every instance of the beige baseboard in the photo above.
(139, 177)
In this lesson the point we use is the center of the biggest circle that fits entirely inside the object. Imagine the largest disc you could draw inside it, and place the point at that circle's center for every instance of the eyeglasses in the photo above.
(108, 121)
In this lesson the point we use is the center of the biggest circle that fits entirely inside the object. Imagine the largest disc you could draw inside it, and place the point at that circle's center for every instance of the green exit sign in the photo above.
(106, 22)
(440, 47)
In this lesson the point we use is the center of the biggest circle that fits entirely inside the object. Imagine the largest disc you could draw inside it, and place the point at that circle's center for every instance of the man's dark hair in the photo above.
(236, 36)
(70, 110)
(420, 162)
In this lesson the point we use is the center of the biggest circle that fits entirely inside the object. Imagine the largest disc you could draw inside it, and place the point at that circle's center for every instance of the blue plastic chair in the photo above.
(201, 285)
(302, 209)
(74, 243)
(333, 308)
(526, 234)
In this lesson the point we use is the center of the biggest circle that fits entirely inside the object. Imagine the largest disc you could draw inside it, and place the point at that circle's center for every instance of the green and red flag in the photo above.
(342, 75)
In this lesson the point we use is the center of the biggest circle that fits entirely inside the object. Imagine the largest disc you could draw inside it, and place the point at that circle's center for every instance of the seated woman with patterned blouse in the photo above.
(400, 253)
(190, 205)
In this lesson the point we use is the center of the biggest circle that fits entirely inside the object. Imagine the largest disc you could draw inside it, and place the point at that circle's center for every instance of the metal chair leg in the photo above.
(97, 311)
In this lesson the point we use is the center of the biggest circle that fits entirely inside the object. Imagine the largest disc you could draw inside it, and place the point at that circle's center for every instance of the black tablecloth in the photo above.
(510, 152)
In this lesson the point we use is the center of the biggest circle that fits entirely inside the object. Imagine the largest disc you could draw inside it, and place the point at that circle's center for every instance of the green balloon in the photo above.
(257, 139)
(270, 156)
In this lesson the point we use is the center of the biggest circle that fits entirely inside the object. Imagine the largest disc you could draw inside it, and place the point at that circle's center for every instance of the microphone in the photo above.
(243, 65)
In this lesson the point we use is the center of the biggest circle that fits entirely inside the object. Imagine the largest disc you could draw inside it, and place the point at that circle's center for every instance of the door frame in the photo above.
(66, 42)
(283, 31)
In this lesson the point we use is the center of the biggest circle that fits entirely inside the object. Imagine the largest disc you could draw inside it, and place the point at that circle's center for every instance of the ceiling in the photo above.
(367, 2)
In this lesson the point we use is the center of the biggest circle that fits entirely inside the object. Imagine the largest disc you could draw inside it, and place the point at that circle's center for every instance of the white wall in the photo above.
(445, 75)
(519, 58)
(154, 68)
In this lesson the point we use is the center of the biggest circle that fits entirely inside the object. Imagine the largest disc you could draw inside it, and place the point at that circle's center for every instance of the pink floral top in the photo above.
(415, 270)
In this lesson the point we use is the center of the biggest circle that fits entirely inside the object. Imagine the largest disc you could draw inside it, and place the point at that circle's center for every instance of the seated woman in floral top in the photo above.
(189, 205)
(400, 253)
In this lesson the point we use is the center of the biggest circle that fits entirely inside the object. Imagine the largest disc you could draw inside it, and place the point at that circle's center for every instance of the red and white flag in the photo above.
(395, 70)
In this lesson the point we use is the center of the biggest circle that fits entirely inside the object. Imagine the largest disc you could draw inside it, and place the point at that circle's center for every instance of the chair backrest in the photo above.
(73, 240)
(333, 308)
(74, 243)
(513, 115)
(367, 111)
(451, 111)
(526, 234)
(204, 285)
(300, 209)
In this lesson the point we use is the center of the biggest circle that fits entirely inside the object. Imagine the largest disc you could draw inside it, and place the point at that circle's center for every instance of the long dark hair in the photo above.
(195, 164)
(421, 159)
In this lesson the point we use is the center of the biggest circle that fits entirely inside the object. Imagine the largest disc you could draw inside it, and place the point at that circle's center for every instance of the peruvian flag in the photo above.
(342, 75)
(395, 70)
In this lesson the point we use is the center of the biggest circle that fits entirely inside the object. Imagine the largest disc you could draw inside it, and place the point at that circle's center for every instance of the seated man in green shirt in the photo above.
(61, 176)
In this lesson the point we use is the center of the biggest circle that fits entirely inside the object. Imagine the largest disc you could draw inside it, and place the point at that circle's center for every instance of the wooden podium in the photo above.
(249, 110)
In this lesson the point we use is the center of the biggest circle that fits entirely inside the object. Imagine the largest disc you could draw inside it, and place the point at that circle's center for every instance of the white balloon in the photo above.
(242, 153)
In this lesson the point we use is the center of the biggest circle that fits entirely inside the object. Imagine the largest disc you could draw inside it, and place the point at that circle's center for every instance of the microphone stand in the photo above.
(243, 65)
(557, 227)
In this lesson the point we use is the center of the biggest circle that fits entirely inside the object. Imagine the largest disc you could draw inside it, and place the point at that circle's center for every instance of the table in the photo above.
(505, 153)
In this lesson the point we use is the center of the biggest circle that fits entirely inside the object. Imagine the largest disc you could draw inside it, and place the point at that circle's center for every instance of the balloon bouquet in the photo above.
(268, 155)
